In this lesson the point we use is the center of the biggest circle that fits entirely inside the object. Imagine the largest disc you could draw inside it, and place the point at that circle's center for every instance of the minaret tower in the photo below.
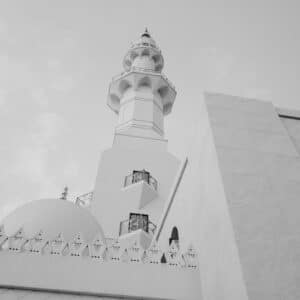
(141, 95)
(135, 175)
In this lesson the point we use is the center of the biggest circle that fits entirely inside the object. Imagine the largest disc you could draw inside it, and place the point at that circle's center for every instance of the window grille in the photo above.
(142, 175)
(138, 221)
(135, 222)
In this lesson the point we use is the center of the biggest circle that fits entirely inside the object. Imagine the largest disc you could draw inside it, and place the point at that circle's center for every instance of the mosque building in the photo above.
(220, 224)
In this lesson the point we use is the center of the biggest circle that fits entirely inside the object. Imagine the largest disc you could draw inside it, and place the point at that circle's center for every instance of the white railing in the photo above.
(84, 200)
(131, 179)
(146, 72)
(125, 227)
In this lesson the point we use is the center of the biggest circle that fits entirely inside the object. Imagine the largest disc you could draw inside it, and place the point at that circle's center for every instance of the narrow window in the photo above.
(174, 236)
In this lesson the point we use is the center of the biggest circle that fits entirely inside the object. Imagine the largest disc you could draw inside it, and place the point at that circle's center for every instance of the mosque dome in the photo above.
(53, 216)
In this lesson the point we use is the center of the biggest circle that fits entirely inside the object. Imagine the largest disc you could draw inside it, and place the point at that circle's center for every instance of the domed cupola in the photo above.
(144, 54)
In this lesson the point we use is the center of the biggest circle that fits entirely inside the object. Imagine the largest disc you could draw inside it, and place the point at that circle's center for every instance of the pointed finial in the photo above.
(64, 194)
(146, 33)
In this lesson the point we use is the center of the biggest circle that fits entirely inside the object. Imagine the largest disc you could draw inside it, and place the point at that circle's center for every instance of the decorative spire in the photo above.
(64, 194)
(146, 33)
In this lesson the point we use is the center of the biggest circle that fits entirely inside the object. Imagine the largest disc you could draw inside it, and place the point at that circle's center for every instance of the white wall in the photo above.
(92, 277)
(200, 211)
(260, 167)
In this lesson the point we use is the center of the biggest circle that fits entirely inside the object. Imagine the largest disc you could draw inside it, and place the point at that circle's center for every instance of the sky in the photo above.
(57, 59)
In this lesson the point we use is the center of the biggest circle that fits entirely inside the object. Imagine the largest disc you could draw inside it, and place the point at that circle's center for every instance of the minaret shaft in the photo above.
(136, 174)
(141, 113)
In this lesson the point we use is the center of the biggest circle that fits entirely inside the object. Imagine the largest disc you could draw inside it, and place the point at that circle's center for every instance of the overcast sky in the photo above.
(57, 58)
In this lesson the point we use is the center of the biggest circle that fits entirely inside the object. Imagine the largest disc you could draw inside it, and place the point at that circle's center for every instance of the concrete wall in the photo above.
(260, 168)
(239, 200)
(87, 276)
(201, 214)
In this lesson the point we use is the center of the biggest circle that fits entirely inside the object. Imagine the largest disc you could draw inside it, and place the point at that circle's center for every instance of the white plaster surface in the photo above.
(256, 140)
(90, 277)
(239, 201)
(260, 168)
(139, 142)
(200, 212)
(139, 194)
(139, 236)
(111, 204)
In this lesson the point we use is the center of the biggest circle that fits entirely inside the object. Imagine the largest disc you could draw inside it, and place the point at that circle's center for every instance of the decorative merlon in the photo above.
(98, 250)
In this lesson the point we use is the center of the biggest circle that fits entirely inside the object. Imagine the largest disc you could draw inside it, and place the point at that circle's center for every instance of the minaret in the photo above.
(141, 95)
(135, 175)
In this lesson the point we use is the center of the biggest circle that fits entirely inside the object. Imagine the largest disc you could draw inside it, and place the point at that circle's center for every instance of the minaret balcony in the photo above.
(136, 79)
(135, 222)
(145, 71)
(138, 228)
(138, 176)
(140, 189)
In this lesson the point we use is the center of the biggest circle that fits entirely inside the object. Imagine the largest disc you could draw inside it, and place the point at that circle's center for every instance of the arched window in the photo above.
(174, 236)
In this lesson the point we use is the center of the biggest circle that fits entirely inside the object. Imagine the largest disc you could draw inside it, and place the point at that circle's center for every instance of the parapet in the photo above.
(98, 268)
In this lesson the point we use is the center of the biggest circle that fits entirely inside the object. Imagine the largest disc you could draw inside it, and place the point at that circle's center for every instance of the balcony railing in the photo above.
(142, 175)
(126, 227)
(141, 70)
(84, 200)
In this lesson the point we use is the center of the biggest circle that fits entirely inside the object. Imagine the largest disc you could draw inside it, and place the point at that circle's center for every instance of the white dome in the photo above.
(53, 216)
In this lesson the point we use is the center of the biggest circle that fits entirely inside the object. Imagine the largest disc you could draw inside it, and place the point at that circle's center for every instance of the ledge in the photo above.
(91, 277)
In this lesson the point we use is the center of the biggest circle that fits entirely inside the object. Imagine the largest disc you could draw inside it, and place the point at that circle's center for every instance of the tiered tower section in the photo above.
(142, 95)
(136, 174)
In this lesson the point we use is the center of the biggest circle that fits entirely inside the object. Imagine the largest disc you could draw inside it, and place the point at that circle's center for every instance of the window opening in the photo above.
(174, 236)
(138, 221)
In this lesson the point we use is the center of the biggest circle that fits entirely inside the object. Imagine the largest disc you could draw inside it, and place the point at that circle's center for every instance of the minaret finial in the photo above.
(64, 194)
(146, 33)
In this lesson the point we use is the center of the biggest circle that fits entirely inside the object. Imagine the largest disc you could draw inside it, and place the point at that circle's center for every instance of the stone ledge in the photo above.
(84, 276)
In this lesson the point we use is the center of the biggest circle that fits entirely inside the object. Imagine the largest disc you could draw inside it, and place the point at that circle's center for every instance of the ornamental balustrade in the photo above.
(146, 72)
(126, 227)
(146, 45)
(98, 250)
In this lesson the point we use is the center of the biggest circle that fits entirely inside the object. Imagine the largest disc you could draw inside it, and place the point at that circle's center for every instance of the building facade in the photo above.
(221, 224)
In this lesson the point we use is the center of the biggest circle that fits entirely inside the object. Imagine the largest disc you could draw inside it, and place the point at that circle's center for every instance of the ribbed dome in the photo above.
(145, 39)
(53, 216)
(144, 54)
